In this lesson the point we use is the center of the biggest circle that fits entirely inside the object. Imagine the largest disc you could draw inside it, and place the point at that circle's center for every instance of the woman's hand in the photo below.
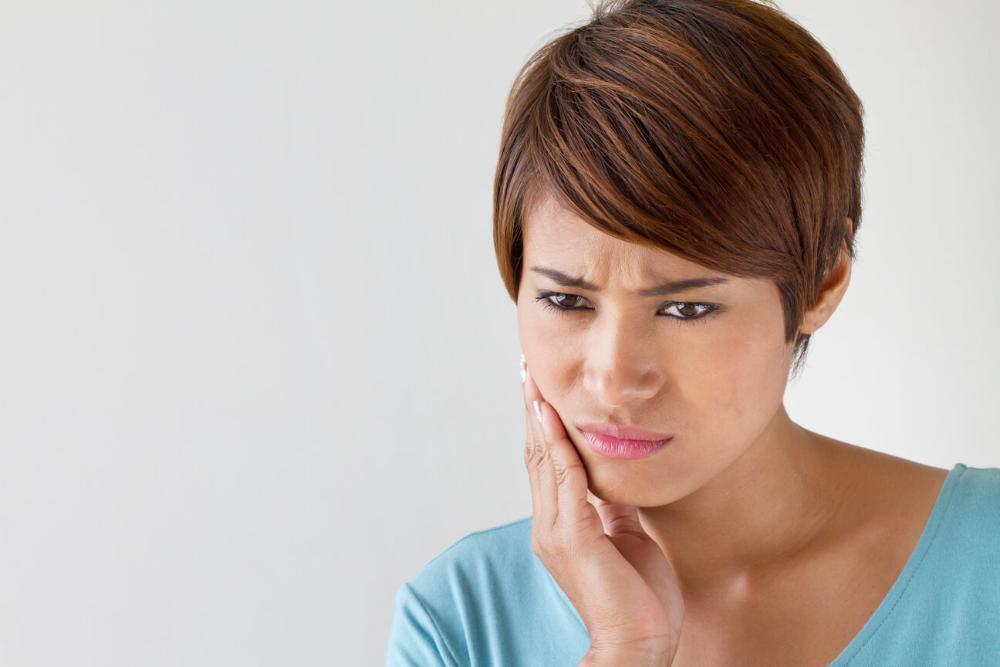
(618, 579)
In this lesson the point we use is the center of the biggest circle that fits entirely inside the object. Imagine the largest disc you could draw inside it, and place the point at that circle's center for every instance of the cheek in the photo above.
(543, 329)
(540, 343)
(537, 323)
(745, 374)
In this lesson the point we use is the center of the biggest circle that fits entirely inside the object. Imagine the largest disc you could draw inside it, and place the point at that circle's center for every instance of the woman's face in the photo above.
(714, 383)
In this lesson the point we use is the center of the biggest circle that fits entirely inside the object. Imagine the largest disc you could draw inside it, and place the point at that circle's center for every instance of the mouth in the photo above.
(622, 432)
(623, 442)
(620, 448)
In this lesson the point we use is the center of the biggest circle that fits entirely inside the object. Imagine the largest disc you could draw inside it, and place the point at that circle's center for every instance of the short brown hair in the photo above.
(718, 130)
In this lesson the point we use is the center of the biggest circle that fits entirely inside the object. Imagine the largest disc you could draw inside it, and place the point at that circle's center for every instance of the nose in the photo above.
(620, 365)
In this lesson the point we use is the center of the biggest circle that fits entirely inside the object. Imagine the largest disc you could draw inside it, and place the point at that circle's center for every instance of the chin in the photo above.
(626, 482)
(618, 489)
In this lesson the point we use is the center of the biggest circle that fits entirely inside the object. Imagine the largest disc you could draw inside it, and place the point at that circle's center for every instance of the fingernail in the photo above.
(524, 374)
(538, 411)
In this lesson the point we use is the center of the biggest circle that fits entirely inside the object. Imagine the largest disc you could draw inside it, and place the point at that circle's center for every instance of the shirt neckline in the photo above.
(888, 603)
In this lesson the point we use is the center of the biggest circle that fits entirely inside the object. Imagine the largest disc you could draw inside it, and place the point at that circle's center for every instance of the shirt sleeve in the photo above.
(414, 638)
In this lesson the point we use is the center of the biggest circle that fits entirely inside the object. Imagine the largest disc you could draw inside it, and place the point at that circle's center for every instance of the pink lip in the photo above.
(623, 442)
(622, 432)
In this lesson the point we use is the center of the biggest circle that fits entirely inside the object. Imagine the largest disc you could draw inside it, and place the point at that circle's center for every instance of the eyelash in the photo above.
(548, 304)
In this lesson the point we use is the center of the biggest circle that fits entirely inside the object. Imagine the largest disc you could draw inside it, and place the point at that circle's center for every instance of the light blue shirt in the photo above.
(488, 600)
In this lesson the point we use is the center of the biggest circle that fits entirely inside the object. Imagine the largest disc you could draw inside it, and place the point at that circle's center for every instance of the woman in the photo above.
(711, 151)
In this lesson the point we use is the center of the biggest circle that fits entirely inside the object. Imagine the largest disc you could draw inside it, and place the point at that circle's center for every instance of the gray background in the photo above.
(256, 362)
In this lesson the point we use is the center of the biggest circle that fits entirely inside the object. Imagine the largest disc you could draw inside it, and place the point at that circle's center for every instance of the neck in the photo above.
(766, 505)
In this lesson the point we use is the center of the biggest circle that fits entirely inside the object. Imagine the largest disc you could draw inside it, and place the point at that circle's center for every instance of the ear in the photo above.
(831, 291)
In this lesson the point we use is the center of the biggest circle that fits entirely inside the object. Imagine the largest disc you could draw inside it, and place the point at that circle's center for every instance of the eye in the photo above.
(688, 311)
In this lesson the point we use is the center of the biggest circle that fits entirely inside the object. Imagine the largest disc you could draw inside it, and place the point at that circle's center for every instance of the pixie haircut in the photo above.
(718, 130)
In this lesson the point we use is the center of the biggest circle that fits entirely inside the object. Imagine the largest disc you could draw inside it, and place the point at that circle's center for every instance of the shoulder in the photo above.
(958, 557)
(479, 553)
(491, 573)
(439, 611)
(485, 598)
(958, 509)
(885, 494)
(943, 522)
(930, 539)
(979, 486)
(504, 541)
(971, 512)
(942, 609)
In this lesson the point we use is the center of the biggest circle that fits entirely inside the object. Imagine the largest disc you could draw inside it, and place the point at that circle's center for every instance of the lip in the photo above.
(622, 432)
(623, 442)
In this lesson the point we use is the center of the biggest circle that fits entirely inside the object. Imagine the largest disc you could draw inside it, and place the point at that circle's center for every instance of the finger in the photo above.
(544, 507)
(534, 462)
(542, 498)
(567, 474)
(529, 446)
(619, 519)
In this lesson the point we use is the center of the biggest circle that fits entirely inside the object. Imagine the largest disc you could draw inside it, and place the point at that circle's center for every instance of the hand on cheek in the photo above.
(615, 575)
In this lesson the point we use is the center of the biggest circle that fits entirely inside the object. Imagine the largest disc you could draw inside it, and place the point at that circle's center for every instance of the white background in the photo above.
(256, 362)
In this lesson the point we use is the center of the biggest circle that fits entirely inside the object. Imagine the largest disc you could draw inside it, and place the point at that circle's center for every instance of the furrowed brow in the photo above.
(670, 287)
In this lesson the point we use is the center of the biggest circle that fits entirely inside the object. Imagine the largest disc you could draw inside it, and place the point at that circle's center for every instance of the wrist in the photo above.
(630, 657)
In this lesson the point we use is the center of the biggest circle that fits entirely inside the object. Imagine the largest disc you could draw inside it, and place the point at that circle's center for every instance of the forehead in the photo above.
(557, 237)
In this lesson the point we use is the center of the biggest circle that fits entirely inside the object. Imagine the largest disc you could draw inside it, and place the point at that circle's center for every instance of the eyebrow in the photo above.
(671, 287)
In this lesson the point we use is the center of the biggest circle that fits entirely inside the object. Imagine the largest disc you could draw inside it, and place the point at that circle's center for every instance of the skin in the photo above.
(758, 525)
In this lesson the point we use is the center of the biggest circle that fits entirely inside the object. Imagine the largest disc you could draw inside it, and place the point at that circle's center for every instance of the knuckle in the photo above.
(534, 454)
(561, 474)
(563, 471)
